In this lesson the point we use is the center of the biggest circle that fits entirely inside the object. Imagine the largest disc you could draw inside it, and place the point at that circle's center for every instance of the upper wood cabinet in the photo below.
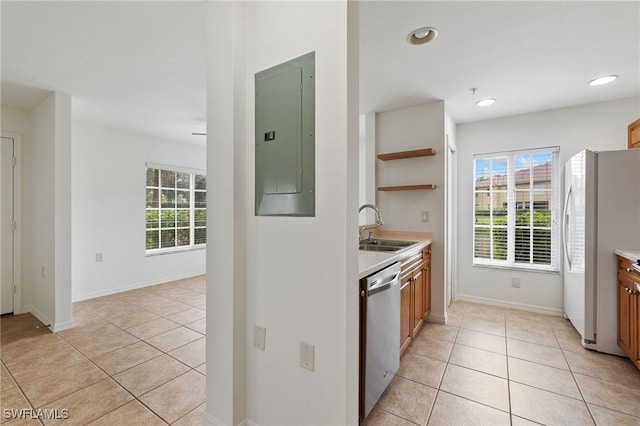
(634, 134)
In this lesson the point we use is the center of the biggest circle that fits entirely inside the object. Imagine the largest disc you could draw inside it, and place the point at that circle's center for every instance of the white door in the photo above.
(6, 226)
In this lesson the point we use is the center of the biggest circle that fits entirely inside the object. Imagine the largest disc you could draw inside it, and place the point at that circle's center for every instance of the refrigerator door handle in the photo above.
(565, 224)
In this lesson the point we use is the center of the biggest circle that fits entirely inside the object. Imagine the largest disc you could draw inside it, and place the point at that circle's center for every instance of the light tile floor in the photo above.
(138, 358)
(134, 358)
(496, 366)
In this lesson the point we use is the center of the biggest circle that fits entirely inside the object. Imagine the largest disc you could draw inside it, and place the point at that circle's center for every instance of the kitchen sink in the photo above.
(384, 245)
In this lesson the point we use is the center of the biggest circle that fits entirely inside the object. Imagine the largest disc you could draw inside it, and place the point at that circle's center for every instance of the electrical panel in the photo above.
(285, 139)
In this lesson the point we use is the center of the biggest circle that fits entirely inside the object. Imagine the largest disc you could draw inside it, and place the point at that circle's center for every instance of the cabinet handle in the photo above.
(362, 293)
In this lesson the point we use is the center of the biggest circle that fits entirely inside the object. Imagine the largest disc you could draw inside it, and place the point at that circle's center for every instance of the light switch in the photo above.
(259, 336)
(307, 354)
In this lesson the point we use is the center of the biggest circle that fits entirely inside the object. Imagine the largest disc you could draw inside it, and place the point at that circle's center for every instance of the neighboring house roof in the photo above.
(541, 173)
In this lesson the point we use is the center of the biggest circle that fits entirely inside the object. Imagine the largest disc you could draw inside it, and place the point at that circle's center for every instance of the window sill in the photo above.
(161, 252)
(518, 268)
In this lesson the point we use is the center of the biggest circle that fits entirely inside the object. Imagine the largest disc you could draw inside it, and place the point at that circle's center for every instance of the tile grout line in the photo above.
(110, 376)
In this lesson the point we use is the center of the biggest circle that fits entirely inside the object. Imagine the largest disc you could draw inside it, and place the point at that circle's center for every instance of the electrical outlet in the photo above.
(425, 217)
(307, 355)
(259, 337)
(100, 257)
(515, 282)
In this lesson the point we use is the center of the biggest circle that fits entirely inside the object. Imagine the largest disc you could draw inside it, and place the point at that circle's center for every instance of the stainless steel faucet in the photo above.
(379, 220)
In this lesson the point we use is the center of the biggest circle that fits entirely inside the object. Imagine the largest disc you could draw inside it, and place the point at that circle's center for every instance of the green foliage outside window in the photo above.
(541, 235)
(175, 209)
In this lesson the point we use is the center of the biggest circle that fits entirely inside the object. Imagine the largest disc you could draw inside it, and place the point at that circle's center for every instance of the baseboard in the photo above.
(109, 291)
(52, 325)
(62, 326)
(440, 319)
(511, 305)
(39, 315)
(210, 420)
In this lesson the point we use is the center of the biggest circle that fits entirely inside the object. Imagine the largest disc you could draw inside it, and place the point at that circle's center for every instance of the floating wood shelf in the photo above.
(407, 154)
(406, 187)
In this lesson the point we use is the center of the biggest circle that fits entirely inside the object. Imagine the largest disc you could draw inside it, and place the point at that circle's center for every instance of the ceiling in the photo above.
(529, 56)
(142, 65)
(134, 65)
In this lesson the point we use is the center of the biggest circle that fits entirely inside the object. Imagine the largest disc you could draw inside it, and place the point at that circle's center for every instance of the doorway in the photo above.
(10, 277)
(6, 228)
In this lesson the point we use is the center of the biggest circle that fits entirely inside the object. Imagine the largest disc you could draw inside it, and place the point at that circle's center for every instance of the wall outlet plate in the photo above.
(259, 337)
(307, 356)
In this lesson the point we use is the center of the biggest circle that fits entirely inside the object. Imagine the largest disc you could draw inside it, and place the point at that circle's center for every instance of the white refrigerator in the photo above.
(601, 213)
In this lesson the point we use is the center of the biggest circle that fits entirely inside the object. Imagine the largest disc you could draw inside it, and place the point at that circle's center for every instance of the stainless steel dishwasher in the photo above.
(379, 334)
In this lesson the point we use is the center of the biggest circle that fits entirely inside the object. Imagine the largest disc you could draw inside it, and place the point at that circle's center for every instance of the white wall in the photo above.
(367, 167)
(416, 127)
(451, 196)
(601, 126)
(46, 240)
(15, 120)
(295, 276)
(62, 210)
(108, 206)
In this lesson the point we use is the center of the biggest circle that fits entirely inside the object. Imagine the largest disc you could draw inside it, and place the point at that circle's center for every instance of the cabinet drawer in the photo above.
(412, 263)
(624, 268)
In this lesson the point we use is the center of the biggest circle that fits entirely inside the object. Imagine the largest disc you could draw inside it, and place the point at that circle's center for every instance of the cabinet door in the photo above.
(418, 300)
(405, 312)
(427, 287)
(636, 342)
(626, 327)
(634, 134)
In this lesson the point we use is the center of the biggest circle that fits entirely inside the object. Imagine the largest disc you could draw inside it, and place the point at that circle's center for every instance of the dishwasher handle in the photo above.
(377, 287)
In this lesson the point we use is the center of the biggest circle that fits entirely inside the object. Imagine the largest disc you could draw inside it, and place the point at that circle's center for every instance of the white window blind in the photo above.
(516, 209)
(176, 209)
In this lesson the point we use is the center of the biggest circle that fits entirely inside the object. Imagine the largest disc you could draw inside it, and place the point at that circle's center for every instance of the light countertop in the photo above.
(373, 261)
(631, 254)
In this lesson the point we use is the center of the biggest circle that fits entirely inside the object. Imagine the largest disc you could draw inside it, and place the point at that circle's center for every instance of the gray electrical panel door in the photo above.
(285, 139)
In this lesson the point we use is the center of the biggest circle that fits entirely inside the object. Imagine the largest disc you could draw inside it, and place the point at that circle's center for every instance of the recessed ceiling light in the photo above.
(422, 35)
(486, 102)
(602, 80)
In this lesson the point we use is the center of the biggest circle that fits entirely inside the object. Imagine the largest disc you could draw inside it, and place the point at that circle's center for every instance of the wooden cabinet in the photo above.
(426, 152)
(634, 134)
(426, 255)
(405, 312)
(629, 310)
(415, 295)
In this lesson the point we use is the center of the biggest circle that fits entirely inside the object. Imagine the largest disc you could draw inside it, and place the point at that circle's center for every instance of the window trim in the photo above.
(554, 267)
(192, 190)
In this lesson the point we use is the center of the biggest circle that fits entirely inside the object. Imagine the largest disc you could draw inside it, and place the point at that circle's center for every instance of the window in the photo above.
(516, 209)
(176, 209)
